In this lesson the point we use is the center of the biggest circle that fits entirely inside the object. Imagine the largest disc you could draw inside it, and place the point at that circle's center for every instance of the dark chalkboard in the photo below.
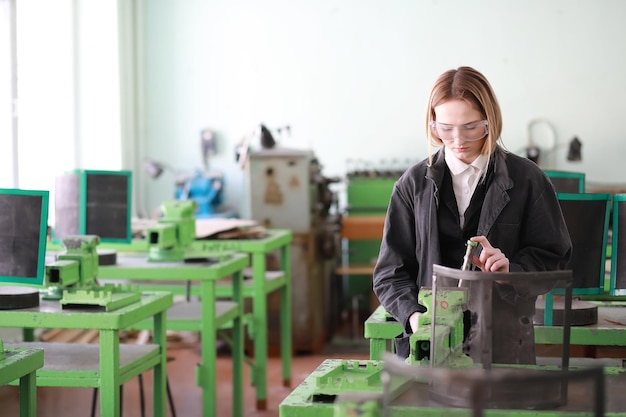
(94, 203)
(587, 218)
(23, 233)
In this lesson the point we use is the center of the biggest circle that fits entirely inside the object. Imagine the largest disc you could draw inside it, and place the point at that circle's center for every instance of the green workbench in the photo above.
(257, 289)
(323, 392)
(380, 329)
(106, 365)
(22, 364)
(205, 316)
(262, 284)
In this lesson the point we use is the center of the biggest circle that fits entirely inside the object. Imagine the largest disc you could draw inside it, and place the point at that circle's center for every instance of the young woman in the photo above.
(470, 188)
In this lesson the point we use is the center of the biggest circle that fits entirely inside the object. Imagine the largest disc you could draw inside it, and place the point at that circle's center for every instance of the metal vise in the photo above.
(173, 233)
(448, 344)
(76, 267)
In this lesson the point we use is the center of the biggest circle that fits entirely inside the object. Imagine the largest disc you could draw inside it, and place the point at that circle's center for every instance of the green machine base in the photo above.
(105, 298)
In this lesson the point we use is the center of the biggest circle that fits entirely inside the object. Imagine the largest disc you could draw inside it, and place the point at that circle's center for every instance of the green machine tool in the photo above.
(444, 343)
(72, 278)
(170, 239)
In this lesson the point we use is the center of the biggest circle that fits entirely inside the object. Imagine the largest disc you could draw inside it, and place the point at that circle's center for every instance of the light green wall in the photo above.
(352, 77)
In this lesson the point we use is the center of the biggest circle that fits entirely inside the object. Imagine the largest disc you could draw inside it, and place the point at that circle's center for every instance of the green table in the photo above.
(263, 283)
(205, 316)
(106, 365)
(22, 364)
(257, 289)
(381, 329)
(321, 392)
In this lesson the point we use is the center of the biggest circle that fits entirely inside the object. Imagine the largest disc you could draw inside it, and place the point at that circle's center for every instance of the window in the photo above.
(61, 70)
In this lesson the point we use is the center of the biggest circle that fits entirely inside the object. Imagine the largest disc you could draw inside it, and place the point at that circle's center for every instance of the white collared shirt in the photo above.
(465, 179)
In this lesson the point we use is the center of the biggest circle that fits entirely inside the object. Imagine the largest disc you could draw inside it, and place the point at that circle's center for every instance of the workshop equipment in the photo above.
(71, 278)
(203, 186)
(171, 237)
(287, 190)
(368, 188)
(447, 330)
(205, 189)
(447, 350)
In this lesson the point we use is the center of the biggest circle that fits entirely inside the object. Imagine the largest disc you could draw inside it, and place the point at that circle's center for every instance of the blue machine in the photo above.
(205, 189)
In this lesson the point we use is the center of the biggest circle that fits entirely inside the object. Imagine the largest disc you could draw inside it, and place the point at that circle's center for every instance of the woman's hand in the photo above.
(491, 259)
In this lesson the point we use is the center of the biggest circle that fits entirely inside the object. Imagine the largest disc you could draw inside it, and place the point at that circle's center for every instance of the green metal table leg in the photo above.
(259, 311)
(238, 342)
(285, 317)
(109, 373)
(28, 395)
(159, 382)
(377, 349)
(207, 374)
(28, 334)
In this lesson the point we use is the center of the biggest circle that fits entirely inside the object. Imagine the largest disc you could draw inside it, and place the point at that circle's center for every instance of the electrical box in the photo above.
(91, 202)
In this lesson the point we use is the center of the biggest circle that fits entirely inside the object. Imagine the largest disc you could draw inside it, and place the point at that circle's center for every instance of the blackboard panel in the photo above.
(586, 223)
(94, 203)
(107, 206)
(23, 224)
(67, 206)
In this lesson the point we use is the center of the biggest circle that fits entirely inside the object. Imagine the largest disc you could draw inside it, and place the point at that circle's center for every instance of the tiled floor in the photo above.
(71, 402)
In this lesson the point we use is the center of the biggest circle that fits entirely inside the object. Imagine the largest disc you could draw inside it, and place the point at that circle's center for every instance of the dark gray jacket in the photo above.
(520, 215)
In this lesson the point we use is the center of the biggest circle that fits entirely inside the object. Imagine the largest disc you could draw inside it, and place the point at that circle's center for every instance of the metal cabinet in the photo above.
(286, 190)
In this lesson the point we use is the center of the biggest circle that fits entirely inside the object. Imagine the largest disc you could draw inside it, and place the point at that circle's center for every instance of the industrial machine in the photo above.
(205, 189)
(203, 186)
(287, 190)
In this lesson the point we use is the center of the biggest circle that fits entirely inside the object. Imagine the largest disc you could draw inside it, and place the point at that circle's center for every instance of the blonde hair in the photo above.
(469, 85)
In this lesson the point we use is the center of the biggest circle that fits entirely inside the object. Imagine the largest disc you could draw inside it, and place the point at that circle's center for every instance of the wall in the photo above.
(352, 77)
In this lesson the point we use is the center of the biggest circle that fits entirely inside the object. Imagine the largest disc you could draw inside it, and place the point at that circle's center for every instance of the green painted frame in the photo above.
(591, 198)
(617, 246)
(38, 279)
(556, 175)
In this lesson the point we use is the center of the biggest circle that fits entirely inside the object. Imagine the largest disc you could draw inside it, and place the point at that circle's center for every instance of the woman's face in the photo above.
(459, 123)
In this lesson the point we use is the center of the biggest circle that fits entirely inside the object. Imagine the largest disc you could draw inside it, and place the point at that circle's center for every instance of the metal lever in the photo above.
(467, 258)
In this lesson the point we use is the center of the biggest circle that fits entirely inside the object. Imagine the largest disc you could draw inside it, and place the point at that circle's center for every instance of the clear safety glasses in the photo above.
(468, 132)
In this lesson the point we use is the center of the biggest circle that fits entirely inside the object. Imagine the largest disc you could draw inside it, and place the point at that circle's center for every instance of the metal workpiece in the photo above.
(501, 307)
